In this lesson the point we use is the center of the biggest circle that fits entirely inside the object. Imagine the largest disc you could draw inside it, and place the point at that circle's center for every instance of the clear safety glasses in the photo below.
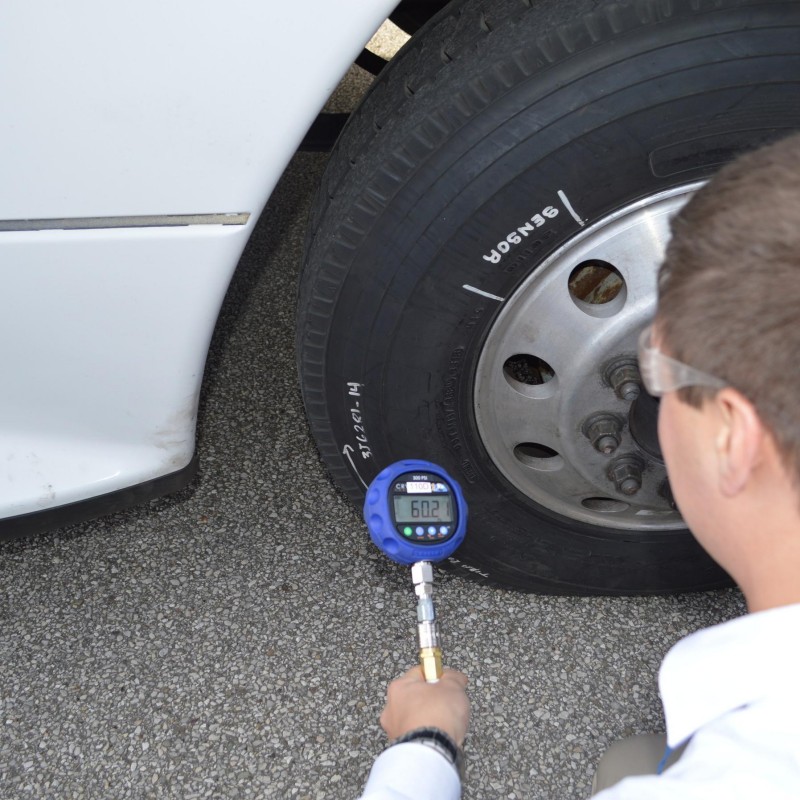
(662, 374)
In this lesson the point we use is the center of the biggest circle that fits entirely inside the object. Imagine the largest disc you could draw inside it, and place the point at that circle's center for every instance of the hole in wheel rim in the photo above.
(595, 282)
(529, 375)
(538, 456)
(605, 505)
(529, 370)
(597, 288)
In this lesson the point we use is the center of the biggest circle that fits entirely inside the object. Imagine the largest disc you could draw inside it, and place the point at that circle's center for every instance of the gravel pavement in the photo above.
(234, 641)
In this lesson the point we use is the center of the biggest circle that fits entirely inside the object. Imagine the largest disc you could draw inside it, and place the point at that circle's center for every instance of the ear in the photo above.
(738, 442)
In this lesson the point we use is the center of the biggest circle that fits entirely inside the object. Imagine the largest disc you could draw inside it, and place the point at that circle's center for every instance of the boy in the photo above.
(722, 355)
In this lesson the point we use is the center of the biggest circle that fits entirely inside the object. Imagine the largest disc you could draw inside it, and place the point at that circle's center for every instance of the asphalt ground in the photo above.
(234, 641)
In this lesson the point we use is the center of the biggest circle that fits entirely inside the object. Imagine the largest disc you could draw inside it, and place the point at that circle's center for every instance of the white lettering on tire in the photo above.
(515, 237)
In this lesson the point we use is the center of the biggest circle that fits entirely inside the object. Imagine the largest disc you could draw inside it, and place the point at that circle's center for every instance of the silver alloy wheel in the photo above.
(546, 409)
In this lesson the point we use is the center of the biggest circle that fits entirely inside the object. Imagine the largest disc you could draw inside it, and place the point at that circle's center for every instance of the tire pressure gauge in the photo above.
(416, 514)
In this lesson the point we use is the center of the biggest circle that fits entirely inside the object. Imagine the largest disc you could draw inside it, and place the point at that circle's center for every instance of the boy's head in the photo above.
(729, 289)
(729, 306)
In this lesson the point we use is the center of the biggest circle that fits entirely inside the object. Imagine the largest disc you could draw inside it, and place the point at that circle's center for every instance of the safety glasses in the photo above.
(662, 374)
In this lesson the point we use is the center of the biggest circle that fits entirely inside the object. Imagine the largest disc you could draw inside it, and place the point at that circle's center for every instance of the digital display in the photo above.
(408, 508)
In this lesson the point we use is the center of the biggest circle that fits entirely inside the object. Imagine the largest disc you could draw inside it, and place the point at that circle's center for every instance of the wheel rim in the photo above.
(558, 374)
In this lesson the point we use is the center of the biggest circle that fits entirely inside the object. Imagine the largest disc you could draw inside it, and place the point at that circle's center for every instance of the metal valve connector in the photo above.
(430, 652)
(430, 659)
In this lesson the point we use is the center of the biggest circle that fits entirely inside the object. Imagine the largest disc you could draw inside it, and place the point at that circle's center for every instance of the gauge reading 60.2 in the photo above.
(415, 512)
(423, 507)
(417, 509)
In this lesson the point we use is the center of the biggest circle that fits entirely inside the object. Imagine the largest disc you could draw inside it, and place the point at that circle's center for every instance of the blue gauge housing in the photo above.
(415, 512)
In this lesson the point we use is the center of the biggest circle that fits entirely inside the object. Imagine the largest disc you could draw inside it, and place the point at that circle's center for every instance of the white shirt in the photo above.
(733, 689)
(412, 771)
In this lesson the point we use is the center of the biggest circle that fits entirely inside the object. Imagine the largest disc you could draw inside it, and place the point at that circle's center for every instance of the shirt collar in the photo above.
(731, 665)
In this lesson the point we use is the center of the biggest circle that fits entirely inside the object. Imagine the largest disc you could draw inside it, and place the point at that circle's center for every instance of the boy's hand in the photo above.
(412, 703)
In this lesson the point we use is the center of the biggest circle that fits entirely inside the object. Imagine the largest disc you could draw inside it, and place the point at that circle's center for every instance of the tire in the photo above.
(411, 15)
(482, 256)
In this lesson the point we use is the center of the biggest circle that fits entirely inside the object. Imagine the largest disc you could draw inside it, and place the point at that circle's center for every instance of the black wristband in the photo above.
(437, 740)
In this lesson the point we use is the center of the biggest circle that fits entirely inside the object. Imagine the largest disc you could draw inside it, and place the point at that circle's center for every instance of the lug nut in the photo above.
(626, 472)
(625, 380)
(604, 432)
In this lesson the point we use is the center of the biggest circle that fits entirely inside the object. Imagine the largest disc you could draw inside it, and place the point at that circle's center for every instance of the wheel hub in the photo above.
(558, 397)
(643, 424)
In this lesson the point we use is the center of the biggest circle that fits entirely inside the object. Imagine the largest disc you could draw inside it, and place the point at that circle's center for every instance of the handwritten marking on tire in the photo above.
(569, 208)
(468, 567)
(482, 293)
(356, 417)
(347, 452)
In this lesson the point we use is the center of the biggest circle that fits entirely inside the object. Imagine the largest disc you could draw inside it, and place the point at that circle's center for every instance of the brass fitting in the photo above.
(430, 659)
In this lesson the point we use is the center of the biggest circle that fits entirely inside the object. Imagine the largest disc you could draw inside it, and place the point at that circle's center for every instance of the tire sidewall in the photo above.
(406, 339)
